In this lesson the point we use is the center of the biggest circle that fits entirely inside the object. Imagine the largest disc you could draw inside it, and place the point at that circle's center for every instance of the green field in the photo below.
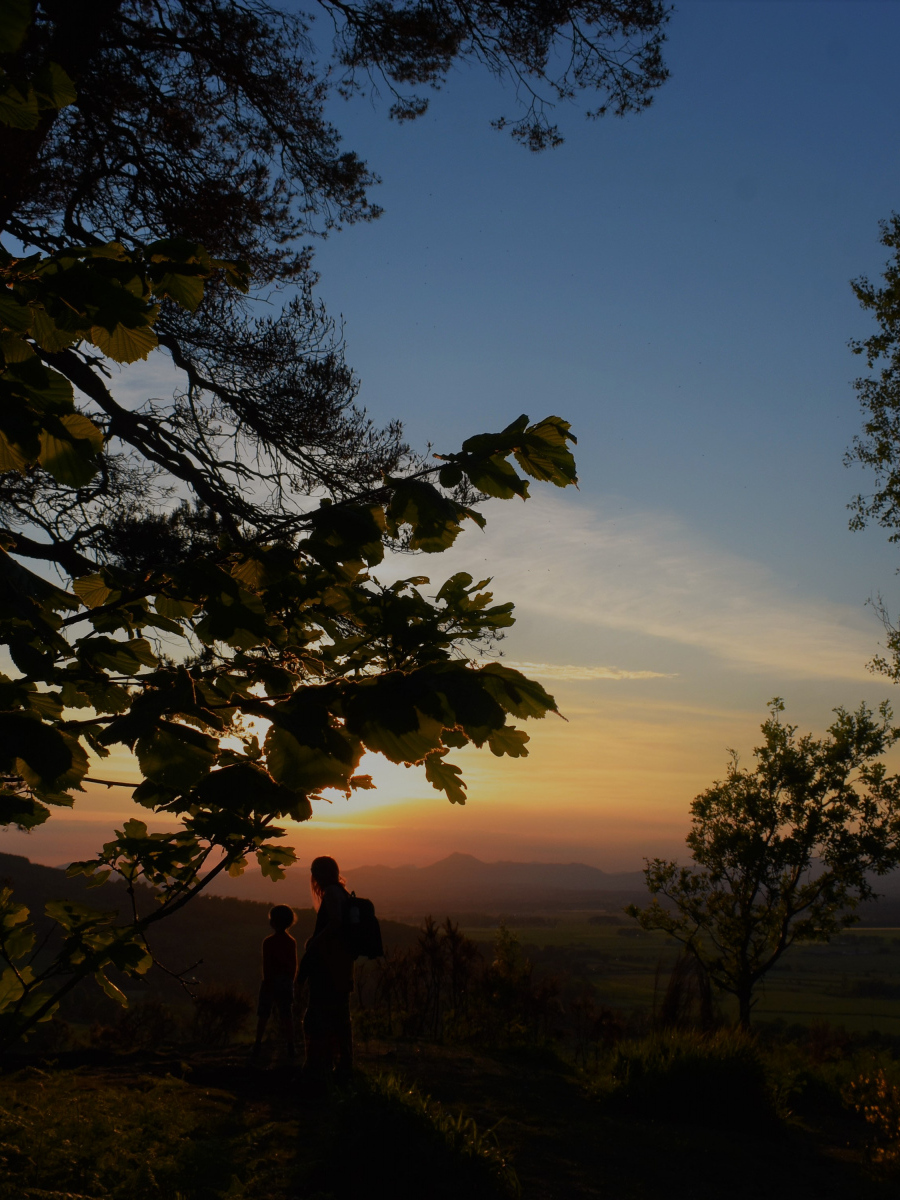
(852, 981)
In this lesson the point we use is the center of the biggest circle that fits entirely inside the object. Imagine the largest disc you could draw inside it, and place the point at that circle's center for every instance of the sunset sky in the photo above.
(677, 286)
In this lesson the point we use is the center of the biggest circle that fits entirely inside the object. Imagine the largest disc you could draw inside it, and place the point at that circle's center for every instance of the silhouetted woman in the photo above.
(327, 967)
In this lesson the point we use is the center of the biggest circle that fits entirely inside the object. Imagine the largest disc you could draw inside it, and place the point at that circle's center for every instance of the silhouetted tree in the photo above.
(204, 120)
(783, 853)
(879, 397)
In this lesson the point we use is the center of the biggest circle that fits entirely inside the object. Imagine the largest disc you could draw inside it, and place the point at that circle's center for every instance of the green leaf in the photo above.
(29, 746)
(46, 389)
(13, 315)
(153, 795)
(15, 17)
(304, 768)
(48, 334)
(347, 533)
(274, 859)
(108, 654)
(545, 455)
(19, 110)
(67, 461)
(185, 289)
(173, 609)
(21, 811)
(514, 692)
(508, 741)
(12, 457)
(445, 777)
(241, 787)
(434, 519)
(14, 349)
(92, 589)
(176, 756)
(123, 344)
(497, 478)
(69, 446)
(73, 916)
(10, 989)
(111, 990)
(54, 87)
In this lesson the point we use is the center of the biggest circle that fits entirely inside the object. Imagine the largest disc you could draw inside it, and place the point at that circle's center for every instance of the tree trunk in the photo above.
(743, 999)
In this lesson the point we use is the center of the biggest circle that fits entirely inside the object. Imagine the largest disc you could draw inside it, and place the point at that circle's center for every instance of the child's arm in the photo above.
(267, 964)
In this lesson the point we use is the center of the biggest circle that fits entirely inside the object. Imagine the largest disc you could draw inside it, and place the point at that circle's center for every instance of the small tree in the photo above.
(783, 853)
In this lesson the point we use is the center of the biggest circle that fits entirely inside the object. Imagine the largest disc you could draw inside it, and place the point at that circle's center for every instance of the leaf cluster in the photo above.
(104, 296)
(205, 120)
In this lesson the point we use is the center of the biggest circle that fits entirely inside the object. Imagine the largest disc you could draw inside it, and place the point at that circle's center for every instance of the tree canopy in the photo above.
(782, 853)
(195, 578)
(205, 120)
(879, 396)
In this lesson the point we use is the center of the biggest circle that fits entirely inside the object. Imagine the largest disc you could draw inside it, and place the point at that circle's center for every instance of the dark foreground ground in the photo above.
(207, 1125)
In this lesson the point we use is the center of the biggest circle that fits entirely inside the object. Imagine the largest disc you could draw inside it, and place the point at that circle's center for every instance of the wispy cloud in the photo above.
(557, 671)
(649, 575)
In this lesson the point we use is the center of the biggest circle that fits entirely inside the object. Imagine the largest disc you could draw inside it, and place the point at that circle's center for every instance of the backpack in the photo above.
(360, 930)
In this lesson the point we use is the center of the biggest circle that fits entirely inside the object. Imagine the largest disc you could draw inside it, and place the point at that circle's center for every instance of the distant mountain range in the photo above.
(462, 883)
(459, 885)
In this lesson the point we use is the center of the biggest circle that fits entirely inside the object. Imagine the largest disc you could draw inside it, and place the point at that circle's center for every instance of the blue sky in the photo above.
(675, 283)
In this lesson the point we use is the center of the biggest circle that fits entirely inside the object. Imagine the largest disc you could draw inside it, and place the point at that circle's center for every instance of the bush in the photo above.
(220, 1015)
(877, 1100)
(717, 1080)
(146, 1026)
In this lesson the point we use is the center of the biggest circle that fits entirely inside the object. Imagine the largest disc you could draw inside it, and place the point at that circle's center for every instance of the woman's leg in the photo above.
(316, 1037)
(343, 1039)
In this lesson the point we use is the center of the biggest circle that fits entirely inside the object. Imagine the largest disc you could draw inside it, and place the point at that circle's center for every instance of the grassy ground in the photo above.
(853, 981)
(207, 1127)
(426, 1121)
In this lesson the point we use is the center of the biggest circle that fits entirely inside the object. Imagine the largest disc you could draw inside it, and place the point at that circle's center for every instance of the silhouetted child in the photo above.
(327, 966)
(279, 968)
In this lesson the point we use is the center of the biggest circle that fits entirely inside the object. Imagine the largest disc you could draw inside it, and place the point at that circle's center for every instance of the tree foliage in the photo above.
(204, 120)
(215, 608)
(782, 853)
(879, 396)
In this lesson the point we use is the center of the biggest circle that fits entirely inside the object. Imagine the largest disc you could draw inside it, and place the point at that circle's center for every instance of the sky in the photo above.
(676, 285)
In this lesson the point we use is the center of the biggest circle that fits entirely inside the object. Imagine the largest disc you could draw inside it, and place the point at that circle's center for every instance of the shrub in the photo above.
(220, 1015)
(715, 1080)
(145, 1027)
(877, 1100)
(50, 1037)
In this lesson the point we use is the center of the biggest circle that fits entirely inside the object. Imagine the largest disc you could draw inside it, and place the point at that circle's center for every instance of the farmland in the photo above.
(852, 981)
